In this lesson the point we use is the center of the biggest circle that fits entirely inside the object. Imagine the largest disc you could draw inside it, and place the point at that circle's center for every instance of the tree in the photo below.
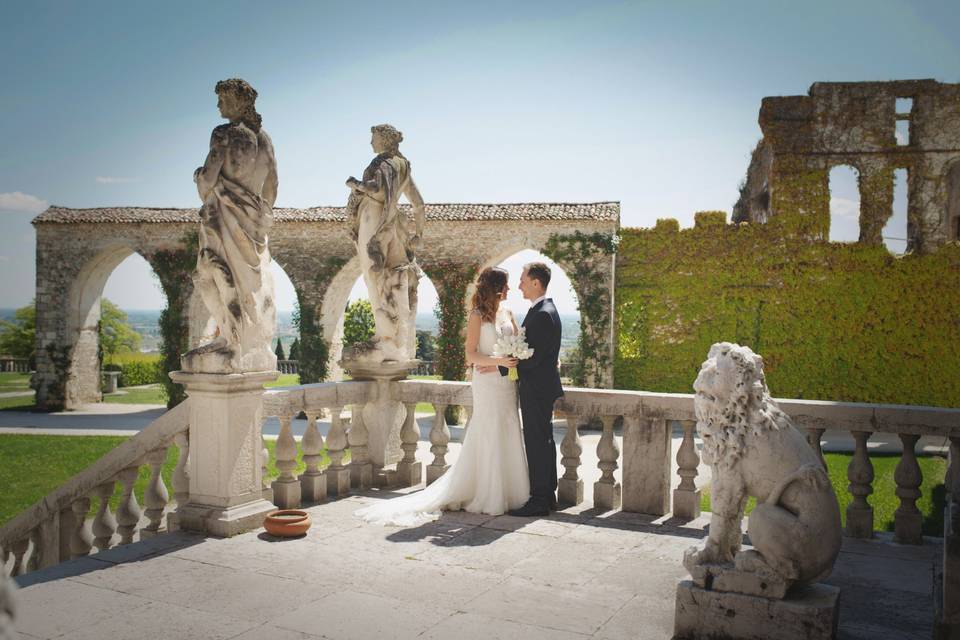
(295, 349)
(358, 323)
(18, 338)
(279, 351)
(426, 345)
(116, 334)
(313, 349)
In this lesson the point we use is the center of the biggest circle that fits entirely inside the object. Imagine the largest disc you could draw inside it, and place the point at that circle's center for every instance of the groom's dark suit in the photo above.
(539, 389)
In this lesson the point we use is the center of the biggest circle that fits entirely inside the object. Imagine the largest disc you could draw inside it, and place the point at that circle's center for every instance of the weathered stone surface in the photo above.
(754, 450)
(854, 123)
(78, 249)
(810, 614)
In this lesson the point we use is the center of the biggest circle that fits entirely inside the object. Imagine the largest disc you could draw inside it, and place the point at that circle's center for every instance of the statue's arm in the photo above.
(207, 175)
(373, 185)
(416, 202)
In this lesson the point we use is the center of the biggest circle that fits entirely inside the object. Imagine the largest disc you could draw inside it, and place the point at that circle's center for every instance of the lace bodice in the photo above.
(490, 332)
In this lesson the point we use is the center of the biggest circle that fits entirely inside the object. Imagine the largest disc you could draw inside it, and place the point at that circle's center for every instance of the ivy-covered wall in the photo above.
(832, 321)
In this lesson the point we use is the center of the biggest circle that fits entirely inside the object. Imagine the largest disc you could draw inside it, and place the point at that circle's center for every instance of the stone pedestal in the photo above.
(382, 417)
(808, 613)
(226, 411)
(607, 496)
(569, 492)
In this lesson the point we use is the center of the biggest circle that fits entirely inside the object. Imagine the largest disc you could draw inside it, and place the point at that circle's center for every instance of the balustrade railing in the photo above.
(14, 365)
(634, 453)
(58, 527)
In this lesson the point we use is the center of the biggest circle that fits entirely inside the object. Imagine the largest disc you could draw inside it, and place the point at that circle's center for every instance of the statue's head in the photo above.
(237, 102)
(385, 138)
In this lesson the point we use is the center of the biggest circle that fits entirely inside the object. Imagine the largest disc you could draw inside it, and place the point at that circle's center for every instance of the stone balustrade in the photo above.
(634, 454)
(57, 528)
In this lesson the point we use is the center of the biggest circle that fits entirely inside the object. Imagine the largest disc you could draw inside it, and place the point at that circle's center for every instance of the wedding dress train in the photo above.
(490, 475)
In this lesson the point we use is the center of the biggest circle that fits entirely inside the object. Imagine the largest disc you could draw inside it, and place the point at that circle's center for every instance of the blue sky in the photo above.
(650, 103)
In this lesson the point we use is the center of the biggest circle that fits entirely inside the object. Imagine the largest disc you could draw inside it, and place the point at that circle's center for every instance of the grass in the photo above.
(33, 466)
(124, 357)
(14, 382)
(883, 500)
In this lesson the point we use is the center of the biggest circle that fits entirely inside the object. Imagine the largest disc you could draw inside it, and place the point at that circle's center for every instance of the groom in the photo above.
(539, 389)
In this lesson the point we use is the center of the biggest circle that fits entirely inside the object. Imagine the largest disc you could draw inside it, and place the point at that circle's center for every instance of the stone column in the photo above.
(226, 491)
(646, 465)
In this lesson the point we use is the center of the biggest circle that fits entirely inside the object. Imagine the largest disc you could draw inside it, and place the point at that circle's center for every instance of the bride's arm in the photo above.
(473, 356)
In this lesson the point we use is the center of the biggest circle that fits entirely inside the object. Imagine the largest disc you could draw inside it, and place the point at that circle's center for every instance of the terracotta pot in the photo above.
(287, 523)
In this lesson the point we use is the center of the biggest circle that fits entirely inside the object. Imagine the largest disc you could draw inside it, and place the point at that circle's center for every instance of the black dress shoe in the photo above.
(530, 510)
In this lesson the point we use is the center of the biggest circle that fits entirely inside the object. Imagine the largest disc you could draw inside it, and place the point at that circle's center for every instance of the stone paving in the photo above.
(576, 574)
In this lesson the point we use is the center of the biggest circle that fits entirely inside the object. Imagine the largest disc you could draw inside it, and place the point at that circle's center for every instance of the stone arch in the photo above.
(82, 382)
(332, 311)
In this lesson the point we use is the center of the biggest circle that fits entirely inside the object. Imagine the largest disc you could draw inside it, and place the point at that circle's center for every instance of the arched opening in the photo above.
(894, 233)
(118, 296)
(286, 336)
(844, 204)
(561, 290)
(426, 322)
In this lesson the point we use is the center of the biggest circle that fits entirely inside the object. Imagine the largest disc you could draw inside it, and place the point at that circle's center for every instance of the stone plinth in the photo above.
(226, 411)
(382, 416)
(808, 613)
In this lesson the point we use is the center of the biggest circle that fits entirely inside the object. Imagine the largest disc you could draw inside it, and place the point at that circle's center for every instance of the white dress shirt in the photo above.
(538, 301)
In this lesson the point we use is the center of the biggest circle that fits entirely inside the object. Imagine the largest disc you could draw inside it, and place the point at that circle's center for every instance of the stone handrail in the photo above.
(56, 528)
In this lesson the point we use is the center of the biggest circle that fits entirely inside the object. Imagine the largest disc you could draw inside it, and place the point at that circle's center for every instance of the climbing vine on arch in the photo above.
(586, 259)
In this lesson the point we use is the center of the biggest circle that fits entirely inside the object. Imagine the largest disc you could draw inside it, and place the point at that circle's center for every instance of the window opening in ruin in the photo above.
(844, 204)
(953, 200)
(902, 133)
(135, 290)
(895, 231)
(904, 106)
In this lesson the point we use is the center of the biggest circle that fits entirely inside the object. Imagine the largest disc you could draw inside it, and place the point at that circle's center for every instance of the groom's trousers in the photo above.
(538, 441)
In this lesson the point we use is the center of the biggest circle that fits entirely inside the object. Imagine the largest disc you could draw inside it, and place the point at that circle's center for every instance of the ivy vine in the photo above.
(583, 256)
(451, 280)
(174, 269)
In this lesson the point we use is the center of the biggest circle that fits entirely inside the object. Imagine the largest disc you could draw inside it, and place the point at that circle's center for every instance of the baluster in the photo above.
(860, 475)
(814, 435)
(950, 586)
(104, 524)
(686, 497)
(286, 488)
(439, 439)
(607, 493)
(338, 475)
(907, 520)
(82, 538)
(19, 549)
(361, 469)
(180, 480)
(409, 471)
(265, 487)
(36, 538)
(155, 497)
(570, 486)
(313, 482)
(128, 511)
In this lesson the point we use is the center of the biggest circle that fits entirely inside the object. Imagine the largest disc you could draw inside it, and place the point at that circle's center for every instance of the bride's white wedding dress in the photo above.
(490, 475)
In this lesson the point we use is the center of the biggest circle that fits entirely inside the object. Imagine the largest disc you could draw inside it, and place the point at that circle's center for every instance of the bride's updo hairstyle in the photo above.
(486, 299)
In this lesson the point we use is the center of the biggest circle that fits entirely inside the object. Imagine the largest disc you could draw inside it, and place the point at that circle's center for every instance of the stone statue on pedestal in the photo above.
(386, 247)
(238, 186)
(754, 451)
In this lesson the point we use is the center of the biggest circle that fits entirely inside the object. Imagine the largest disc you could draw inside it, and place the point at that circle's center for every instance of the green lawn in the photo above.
(883, 500)
(14, 382)
(33, 466)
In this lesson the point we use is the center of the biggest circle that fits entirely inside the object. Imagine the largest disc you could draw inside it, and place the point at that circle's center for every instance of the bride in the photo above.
(490, 476)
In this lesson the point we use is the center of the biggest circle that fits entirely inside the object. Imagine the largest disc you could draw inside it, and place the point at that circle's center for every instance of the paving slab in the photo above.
(162, 621)
(472, 626)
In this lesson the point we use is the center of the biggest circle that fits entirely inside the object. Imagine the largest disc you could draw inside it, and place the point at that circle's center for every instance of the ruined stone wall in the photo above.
(855, 124)
(78, 249)
(833, 321)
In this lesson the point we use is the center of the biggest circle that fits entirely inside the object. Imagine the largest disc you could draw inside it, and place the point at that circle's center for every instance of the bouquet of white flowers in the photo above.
(513, 346)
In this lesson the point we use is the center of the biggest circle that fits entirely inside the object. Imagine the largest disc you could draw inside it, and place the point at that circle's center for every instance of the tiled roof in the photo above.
(598, 211)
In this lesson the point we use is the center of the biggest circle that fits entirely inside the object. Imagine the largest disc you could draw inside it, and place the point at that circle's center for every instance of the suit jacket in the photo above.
(539, 373)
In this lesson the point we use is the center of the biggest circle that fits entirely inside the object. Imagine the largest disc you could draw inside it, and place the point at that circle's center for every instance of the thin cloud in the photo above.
(4, 258)
(845, 208)
(19, 202)
(115, 180)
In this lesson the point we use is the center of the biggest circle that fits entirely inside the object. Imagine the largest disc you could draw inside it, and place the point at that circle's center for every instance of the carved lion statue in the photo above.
(754, 450)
